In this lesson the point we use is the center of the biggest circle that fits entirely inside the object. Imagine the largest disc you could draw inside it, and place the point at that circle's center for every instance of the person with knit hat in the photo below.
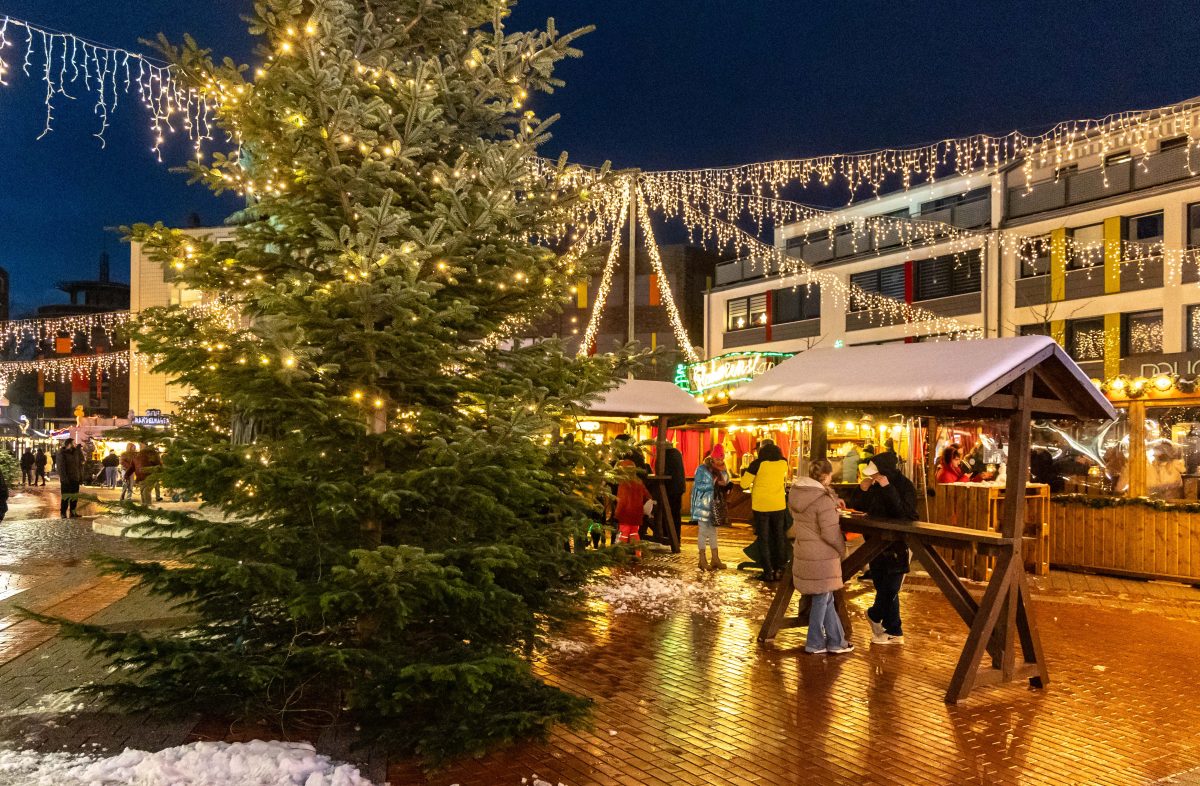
(706, 489)
(719, 507)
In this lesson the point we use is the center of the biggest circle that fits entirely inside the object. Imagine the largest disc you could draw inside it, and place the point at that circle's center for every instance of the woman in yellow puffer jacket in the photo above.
(766, 480)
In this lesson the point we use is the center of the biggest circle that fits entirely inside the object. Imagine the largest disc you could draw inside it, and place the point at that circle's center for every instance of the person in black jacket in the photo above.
(676, 487)
(885, 493)
(27, 467)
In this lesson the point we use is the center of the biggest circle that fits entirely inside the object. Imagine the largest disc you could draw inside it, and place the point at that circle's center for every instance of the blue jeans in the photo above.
(886, 609)
(824, 626)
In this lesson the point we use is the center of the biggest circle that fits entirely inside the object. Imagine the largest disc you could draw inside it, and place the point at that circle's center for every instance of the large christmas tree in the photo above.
(397, 499)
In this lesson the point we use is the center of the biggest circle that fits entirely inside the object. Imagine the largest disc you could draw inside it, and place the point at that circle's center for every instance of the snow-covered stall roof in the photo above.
(945, 374)
(634, 397)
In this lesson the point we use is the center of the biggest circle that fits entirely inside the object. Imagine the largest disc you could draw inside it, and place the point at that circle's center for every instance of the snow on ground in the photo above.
(656, 596)
(254, 763)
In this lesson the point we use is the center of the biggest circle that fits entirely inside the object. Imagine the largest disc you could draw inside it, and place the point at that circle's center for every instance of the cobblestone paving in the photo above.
(691, 698)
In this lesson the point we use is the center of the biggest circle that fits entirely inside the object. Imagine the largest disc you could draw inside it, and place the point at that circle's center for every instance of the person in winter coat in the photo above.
(146, 466)
(766, 480)
(885, 493)
(705, 491)
(951, 470)
(3, 497)
(70, 476)
(631, 500)
(676, 487)
(27, 460)
(39, 464)
(720, 510)
(817, 556)
(111, 463)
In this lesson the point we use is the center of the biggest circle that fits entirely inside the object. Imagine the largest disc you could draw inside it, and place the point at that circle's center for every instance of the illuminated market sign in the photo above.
(725, 370)
(1175, 364)
(153, 417)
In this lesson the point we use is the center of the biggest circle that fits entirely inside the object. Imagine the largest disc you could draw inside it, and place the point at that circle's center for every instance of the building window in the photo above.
(1193, 328)
(1035, 257)
(1142, 333)
(1147, 228)
(888, 281)
(1087, 247)
(1036, 329)
(1118, 158)
(1194, 225)
(796, 303)
(1086, 339)
(1174, 143)
(946, 276)
(746, 312)
(1065, 171)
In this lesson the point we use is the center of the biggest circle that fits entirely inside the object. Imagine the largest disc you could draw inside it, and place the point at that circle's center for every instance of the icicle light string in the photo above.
(606, 278)
(63, 369)
(664, 286)
(85, 325)
(906, 234)
(1061, 146)
(888, 311)
(70, 66)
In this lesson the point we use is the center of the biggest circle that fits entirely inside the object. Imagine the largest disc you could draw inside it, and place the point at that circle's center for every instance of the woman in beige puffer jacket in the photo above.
(817, 556)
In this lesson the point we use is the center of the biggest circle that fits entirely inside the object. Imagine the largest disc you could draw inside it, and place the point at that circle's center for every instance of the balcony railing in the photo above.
(1076, 188)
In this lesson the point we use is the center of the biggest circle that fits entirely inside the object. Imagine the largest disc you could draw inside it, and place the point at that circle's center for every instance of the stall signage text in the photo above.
(726, 370)
(153, 417)
(1175, 363)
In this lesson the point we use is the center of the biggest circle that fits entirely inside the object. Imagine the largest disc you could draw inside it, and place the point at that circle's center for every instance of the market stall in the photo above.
(639, 401)
(1015, 379)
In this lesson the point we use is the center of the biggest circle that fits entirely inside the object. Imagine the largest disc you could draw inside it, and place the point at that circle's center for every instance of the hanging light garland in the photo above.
(70, 66)
(681, 336)
(606, 277)
(871, 171)
(64, 368)
(85, 325)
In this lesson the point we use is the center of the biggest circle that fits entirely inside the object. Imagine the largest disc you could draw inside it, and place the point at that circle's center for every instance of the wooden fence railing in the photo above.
(1126, 540)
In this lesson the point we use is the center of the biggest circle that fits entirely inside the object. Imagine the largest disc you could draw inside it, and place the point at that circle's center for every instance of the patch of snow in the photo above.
(255, 763)
(656, 596)
(568, 647)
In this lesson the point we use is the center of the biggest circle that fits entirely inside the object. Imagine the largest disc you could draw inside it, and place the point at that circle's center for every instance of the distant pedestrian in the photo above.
(146, 466)
(705, 489)
(111, 464)
(3, 497)
(70, 477)
(676, 486)
(27, 462)
(127, 459)
(39, 463)
(631, 501)
(817, 556)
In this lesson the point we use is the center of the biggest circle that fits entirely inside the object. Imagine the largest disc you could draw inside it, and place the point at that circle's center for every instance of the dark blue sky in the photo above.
(669, 83)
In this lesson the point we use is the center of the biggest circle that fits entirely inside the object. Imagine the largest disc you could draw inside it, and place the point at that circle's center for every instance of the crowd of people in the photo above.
(135, 471)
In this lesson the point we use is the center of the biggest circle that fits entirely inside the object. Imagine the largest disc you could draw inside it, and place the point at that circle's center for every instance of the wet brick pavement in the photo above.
(692, 699)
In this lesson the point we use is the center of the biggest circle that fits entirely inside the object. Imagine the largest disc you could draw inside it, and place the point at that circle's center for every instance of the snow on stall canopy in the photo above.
(634, 397)
(946, 373)
(255, 763)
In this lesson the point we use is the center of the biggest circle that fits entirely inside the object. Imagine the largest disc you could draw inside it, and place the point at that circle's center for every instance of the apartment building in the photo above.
(1094, 254)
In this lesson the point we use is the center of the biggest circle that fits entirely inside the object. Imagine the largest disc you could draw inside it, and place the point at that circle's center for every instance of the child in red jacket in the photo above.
(631, 500)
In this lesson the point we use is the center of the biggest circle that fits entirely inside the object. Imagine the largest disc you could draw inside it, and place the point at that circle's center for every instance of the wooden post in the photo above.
(818, 446)
(1137, 449)
(931, 429)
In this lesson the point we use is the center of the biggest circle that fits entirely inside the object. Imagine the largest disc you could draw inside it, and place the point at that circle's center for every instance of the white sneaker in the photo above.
(821, 651)
(841, 650)
(878, 634)
(895, 639)
(887, 638)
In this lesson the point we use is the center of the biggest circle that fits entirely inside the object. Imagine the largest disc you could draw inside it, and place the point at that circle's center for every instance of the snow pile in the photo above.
(568, 647)
(656, 596)
(254, 763)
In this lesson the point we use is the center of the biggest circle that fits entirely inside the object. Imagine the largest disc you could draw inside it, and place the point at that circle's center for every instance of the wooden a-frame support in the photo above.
(1005, 607)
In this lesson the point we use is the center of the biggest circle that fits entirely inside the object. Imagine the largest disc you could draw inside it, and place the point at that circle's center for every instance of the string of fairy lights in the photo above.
(70, 67)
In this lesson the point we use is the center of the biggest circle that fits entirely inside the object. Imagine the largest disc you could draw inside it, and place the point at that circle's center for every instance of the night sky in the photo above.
(663, 84)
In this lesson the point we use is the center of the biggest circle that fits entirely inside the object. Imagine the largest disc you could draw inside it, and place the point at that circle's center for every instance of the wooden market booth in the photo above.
(1014, 379)
(640, 399)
